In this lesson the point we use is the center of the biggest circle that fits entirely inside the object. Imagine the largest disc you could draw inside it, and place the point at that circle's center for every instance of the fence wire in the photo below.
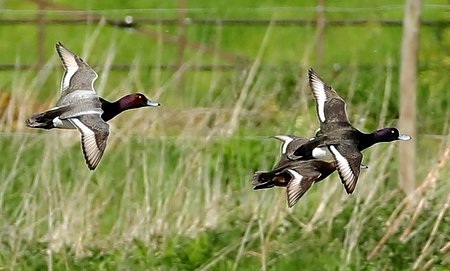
(328, 9)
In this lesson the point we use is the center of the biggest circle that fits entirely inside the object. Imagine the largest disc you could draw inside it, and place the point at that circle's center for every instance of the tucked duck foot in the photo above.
(364, 166)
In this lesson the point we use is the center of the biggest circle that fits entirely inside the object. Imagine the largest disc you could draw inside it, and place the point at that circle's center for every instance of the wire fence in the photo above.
(44, 16)
(140, 22)
(130, 22)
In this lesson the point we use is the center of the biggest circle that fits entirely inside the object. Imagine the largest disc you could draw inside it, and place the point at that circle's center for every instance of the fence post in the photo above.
(408, 86)
(181, 41)
(40, 35)
(320, 25)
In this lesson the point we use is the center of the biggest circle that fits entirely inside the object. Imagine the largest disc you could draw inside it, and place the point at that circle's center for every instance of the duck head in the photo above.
(389, 134)
(130, 101)
(136, 100)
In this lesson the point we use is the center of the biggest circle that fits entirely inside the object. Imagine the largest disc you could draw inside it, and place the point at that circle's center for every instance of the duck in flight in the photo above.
(337, 138)
(79, 107)
(296, 175)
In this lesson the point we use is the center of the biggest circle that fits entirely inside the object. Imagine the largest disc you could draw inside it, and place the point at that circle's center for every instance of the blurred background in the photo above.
(173, 190)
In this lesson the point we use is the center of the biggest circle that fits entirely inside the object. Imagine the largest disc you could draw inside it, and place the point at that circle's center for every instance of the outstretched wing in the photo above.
(288, 146)
(329, 106)
(94, 135)
(297, 187)
(348, 159)
(77, 75)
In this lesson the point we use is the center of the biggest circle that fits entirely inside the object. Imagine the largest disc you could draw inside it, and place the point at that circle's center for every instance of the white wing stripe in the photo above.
(297, 177)
(70, 65)
(92, 151)
(67, 76)
(93, 80)
(286, 141)
(86, 131)
(286, 144)
(318, 88)
(344, 168)
(294, 188)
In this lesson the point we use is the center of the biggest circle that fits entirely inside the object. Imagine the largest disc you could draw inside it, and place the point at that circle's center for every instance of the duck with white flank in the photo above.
(301, 165)
(80, 107)
(337, 136)
(297, 176)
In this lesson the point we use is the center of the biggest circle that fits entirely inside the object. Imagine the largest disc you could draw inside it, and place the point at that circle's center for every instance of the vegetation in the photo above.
(173, 191)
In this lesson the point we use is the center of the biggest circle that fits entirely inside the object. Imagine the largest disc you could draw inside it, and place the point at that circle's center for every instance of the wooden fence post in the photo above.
(408, 86)
(181, 41)
(320, 28)
(40, 35)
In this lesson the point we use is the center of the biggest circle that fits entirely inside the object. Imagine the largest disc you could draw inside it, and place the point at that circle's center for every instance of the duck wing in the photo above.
(330, 107)
(94, 134)
(77, 73)
(295, 177)
(348, 159)
(288, 146)
(290, 143)
(298, 185)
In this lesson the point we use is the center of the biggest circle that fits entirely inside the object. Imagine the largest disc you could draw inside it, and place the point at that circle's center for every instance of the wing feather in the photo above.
(330, 106)
(94, 134)
(297, 187)
(348, 159)
(77, 73)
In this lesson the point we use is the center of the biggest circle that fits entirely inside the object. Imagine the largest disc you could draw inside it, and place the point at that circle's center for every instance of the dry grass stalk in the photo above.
(234, 121)
(406, 206)
(445, 248)
(426, 247)
(412, 221)
(243, 242)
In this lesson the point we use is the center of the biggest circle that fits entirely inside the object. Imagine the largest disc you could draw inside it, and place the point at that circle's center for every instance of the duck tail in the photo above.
(267, 179)
(45, 119)
(262, 180)
(40, 120)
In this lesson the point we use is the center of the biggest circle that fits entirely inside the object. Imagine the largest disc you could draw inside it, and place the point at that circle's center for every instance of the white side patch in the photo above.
(322, 153)
(318, 89)
(62, 124)
(343, 166)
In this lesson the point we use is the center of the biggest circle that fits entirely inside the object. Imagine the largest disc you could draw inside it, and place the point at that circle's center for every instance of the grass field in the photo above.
(173, 190)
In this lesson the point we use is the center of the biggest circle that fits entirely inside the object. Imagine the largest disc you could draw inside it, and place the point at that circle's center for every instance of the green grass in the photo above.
(173, 191)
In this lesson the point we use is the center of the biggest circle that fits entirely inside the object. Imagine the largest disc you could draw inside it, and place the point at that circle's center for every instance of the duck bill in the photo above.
(152, 104)
(404, 137)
